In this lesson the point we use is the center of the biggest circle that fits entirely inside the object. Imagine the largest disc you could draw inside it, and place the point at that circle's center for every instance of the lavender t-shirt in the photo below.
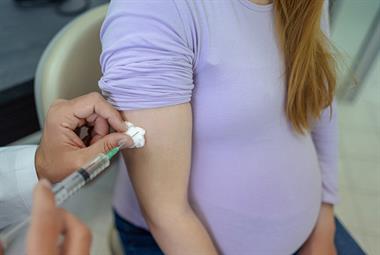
(255, 184)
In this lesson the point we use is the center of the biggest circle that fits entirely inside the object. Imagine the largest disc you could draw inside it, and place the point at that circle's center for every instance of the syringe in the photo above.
(72, 183)
(66, 188)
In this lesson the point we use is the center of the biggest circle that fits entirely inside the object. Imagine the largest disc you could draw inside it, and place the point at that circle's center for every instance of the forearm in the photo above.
(326, 216)
(160, 176)
(181, 233)
(321, 240)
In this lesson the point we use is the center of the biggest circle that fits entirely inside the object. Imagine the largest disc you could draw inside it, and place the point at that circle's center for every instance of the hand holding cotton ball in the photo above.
(137, 135)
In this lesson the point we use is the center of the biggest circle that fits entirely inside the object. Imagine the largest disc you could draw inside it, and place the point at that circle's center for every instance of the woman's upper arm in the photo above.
(147, 66)
(160, 170)
(147, 63)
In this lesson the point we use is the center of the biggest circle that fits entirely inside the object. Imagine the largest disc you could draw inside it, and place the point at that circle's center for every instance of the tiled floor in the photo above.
(359, 125)
(360, 164)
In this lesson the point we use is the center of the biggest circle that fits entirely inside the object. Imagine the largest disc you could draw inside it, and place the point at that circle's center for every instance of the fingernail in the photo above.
(45, 183)
(125, 143)
(125, 125)
(129, 124)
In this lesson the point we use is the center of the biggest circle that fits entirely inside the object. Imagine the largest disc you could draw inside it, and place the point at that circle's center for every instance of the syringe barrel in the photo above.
(96, 166)
(76, 180)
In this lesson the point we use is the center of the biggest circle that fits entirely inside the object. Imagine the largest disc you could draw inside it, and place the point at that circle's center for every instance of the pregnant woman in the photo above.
(236, 97)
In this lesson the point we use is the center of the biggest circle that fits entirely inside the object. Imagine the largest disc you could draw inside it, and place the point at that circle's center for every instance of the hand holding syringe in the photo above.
(72, 183)
(91, 170)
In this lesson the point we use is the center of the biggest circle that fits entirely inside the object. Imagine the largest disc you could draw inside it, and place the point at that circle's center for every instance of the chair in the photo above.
(69, 67)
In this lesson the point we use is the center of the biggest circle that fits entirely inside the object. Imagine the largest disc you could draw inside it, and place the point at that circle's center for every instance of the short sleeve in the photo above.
(146, 59)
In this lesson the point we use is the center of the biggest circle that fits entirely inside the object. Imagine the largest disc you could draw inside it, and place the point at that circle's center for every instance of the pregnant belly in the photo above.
(258, 199)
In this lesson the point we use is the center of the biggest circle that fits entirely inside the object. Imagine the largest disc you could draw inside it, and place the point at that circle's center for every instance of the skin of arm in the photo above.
(160, 175)
(321, 240)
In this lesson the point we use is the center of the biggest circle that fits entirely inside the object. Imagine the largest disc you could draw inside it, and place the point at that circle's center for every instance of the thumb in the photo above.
(45, 219)
(107, 143)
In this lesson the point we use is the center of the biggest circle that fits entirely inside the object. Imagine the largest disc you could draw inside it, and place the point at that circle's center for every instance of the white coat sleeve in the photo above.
(17, 179)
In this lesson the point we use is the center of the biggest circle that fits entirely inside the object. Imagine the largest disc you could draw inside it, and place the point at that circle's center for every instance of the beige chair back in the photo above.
(69, 67)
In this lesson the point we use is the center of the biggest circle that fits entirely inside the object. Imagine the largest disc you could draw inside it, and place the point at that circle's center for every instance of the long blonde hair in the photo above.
(310, 68)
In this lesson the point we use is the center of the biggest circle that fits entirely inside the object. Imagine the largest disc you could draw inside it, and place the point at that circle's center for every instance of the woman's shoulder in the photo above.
(183, 17)
(187, 10)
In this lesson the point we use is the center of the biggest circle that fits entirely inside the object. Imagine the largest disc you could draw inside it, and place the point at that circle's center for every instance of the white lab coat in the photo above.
(17, 179)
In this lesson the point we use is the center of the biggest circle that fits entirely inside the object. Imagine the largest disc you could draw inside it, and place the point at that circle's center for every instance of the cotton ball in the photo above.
(137, 135)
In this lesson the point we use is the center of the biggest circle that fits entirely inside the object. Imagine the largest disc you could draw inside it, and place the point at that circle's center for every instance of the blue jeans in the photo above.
(137, 241)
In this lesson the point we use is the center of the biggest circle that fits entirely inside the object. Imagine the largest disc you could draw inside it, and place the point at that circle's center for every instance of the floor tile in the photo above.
(362, 176)
(354, 119)
(343, 179)
(346, 209)
(372, 244)
(368, 213)
(359, 125)
(361, 146)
